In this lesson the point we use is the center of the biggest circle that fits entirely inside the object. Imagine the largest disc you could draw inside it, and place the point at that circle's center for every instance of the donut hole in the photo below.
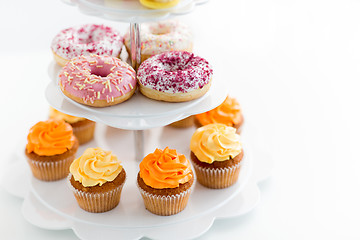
(176, 62)
(100, 71)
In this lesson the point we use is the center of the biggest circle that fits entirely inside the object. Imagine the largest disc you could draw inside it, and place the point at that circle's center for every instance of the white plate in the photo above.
(59, 209)
(132, 10)
(139, 112)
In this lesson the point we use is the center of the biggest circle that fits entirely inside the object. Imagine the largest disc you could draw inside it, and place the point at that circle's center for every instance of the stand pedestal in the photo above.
(135, 45)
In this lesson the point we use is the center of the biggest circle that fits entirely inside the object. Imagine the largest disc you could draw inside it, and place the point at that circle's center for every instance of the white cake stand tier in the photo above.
(139, 112)
(56, 210)
(132, 10)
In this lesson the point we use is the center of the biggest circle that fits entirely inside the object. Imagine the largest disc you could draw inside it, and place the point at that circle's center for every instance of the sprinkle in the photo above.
(125, 87)
(103, 91)
(131, 86)
(122, 92)
(109, 85)
(112, 69)
(99, 66)
(112, 99)
(117, 87)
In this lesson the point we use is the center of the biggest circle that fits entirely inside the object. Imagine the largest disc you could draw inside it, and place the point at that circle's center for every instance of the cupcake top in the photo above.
(165, 169)
(95, 167)
(215, 142)
(49, 138)
(228, 113)
(55, 114)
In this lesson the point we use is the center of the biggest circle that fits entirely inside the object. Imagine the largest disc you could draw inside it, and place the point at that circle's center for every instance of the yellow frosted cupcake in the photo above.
(216, 154)
(83, 128)
(96, 179)
(50, 149)
(164, 180)
(228, 113)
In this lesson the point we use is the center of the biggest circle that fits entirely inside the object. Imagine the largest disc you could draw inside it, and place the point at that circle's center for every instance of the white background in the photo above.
(293, 65)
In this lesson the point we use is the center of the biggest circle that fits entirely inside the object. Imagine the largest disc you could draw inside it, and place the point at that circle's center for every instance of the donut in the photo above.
(97, 81)
(159, 37)
(85, 40)
(159, 4)
(176, 76)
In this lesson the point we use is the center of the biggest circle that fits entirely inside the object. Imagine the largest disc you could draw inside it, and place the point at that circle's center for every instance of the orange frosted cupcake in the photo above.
(96, 179)
(216, 154)
(50, 149)
(164, 180)
(83, 128)
(228, 113)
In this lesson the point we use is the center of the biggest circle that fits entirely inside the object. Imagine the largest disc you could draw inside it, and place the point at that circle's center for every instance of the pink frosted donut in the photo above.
(176, 76)
(85, 40)
(97, 81)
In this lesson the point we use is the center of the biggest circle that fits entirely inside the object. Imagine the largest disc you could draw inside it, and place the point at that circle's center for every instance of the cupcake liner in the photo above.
(184, 123)
(97, 202)
(165, 205)
(217, 177)
(84, 133)
(51, 171)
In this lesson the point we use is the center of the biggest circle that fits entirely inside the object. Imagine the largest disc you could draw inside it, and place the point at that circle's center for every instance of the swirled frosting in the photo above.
(228, 113)
(51, 137)
(95, 166)
(215, 142)
(55, 114)
(165, 169)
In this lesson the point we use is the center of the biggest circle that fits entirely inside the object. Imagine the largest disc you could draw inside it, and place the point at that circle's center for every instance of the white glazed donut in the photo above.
(159, 37)
(85, 40)
(176, 76)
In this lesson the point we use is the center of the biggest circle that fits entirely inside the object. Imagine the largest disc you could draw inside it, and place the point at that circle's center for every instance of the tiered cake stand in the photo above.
(50, 205)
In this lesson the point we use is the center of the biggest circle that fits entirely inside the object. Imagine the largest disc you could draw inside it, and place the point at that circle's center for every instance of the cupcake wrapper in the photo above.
(84, 133)
(184, 123)
(97, 202)
(165, 205)
(217, 177)
(51, 171)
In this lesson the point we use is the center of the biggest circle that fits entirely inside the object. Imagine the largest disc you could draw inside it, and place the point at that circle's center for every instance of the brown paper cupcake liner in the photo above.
(217, 177)
(165, 205)
(84, 133)
(97, 202)
(51, 171)
(184, 123)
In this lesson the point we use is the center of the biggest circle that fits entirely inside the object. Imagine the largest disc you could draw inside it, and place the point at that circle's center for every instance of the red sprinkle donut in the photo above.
(175, 76)
(97, 81)
(85, 40)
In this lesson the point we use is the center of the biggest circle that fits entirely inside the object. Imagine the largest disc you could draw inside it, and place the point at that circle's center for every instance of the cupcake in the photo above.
(164, 180)
(228, 113)
(83, 128)
(216, 154)
(96, 179)
(183, 123)
(50, 149)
